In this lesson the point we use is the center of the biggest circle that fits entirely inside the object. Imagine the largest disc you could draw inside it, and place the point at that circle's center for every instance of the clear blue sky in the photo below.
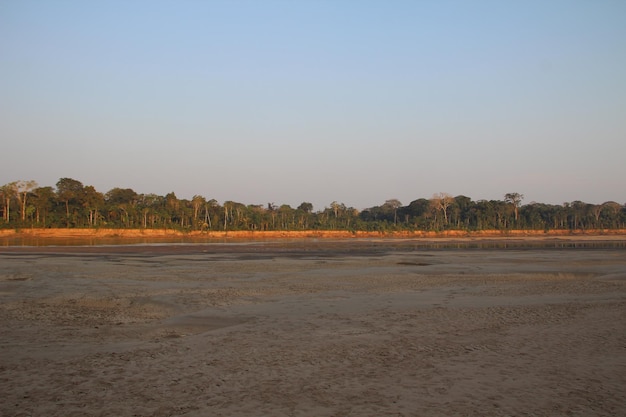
(292, 101)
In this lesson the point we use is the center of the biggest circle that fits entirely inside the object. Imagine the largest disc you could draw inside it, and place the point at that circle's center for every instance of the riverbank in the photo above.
(40, 233)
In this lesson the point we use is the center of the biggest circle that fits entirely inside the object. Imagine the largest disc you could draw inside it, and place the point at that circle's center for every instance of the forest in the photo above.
(73, 205)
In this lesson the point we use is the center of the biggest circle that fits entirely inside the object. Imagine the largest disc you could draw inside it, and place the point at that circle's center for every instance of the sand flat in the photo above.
(312, 329)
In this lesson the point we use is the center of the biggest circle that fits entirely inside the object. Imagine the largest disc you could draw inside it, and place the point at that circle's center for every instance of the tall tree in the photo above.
(416, 210)
(209, 207)
(441, 202)
(69, 190)
(9, 192)
(93, 201)
(304, 211)
(306, 207)
(197, 203)
(287, 216)
(516, 200)
(336, 207)
(462, 210)
(43, 199)
(393, 204)
(122, 202)
(611, 212)
(152, 208)
(22, 189)
(172, 207)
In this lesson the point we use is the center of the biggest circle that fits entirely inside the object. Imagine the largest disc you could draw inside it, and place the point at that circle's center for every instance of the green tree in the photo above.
(306, 207)
(304, 212)
(393, 205)
(69, 191)
(152, 209)
(258, 217)
(43, 199)
(121, 203)
(485, 215)
(461, 209)
(514, 199)
(287, 216)
(22, 190)
(416, 211)
(502, 212)
(93, 202)
(611, 214)
(9, 192)
(198, 202)
(210, 209)
(172, 208)
(338, 209)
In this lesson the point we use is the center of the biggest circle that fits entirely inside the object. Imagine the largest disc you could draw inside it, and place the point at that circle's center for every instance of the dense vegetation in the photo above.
(71, 204)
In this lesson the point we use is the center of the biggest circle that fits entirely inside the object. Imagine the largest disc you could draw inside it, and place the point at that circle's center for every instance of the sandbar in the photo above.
(313, 328)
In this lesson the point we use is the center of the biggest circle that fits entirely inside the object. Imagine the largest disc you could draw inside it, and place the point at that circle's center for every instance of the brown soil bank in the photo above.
(333, 234)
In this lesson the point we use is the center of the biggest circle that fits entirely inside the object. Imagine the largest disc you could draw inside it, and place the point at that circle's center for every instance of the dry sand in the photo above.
(353, 328)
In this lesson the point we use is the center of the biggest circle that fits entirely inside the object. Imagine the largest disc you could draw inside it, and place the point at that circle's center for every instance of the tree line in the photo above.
(74, 205)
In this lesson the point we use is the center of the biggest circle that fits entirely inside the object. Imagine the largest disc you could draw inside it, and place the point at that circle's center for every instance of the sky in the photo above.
(317, 101)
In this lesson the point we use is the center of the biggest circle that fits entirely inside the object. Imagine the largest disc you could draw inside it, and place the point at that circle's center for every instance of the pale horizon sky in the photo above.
(319, 101)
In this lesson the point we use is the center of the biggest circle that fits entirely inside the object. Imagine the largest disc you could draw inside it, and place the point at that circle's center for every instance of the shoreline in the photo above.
(38, 233)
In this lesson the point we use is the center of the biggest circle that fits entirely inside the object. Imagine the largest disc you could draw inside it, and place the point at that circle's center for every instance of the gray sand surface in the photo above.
(312, 329)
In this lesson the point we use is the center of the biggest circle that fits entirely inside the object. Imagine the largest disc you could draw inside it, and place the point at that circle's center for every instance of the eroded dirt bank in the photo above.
(341, 328)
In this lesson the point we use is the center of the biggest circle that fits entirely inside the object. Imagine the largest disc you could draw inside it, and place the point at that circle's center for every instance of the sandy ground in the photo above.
(324, 329)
